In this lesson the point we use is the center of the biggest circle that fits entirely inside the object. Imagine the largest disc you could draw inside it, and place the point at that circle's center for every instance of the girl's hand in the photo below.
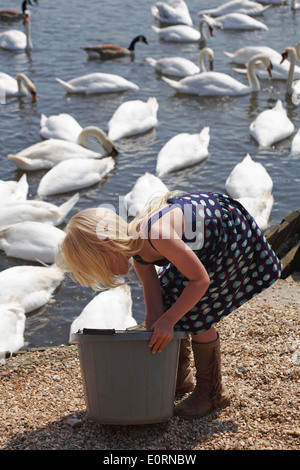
(162, 335)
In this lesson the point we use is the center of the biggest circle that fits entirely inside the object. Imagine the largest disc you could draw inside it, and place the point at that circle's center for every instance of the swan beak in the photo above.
(270, 68)
(284, 56)
(114, 152)
(34, 95)
(211, 30)
(211, 65)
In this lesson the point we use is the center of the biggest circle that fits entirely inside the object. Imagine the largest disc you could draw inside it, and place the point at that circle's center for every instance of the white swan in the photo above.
(183, 150)
(132, 118)
(113, 51)
(220, 84)
(111, 308)
(279, 71)
(97, 83)
(15, 40)
(12, 326)
(172, 13)
(13, 190)
(64, 126)
(145, 188)
(295, 146)
(183, 33)
(236, 21)
(32, 285)
(294, 54)
(271, 126)
(237, 6)
(47, 154)
(10, 86)
(40, 211)
(260, 207)
(74, 174)
(181, 67)
(30, 240)
(248, 179)
(60, 126)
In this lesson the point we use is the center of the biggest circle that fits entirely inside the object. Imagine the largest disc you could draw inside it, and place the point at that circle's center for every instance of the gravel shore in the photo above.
(42, 403)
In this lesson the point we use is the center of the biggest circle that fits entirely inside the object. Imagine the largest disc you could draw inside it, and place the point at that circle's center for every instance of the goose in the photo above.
(14, 15)
(259, 207)
(183, 150)
(238, 6)
(181, 67)
(47, 154)
(145, 188)
(220, 84)
(295, 5)
(279, 71)
(175, 13)
(271, 126)
(13, 190)
(31, 240)
(74, 174)
(248, 179)
(132, 118)
(16, 86)
(111, 308)
(97, 83)
(12, 326)
(32, 285)
(15, 40)
(236, 21)
(113, 51)
(293, 53)
(40, 211)
(295, 147)
(183, 33)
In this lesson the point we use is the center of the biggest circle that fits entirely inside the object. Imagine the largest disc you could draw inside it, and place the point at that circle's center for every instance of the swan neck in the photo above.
(290, 78)
(84, 135)
(21, 79)
(28, 35)
(252, 77)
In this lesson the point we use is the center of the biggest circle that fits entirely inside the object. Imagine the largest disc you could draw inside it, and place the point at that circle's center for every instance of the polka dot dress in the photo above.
(239, 260)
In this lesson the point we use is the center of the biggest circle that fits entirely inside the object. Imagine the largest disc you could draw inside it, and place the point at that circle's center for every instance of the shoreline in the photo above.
(43, 407)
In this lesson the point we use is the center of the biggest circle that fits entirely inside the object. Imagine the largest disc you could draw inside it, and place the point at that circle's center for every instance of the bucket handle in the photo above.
(95, 331)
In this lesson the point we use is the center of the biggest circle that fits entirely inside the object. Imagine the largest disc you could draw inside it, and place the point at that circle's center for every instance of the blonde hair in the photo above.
(92, 235)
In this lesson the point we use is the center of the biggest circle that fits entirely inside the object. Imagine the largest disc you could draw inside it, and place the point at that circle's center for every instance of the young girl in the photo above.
(213, 256)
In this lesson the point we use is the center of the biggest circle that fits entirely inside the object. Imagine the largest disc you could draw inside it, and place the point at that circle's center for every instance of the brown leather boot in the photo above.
(209, 393)
(185, 381)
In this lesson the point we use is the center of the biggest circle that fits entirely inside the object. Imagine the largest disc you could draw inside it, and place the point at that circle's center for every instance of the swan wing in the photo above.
(133, 117)
(271, 126)
(181, 151)
(74, 174)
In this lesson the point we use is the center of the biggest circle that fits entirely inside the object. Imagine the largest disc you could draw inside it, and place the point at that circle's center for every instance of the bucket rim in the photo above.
(117, 335)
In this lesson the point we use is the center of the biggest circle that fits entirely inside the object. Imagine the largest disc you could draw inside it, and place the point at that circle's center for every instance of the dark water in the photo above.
(59, 28)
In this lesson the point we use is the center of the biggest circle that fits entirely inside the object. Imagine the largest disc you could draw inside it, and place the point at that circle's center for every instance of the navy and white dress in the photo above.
(227, 240)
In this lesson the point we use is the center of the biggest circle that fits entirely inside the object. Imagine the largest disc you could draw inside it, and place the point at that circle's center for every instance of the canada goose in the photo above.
(14, 15)
(113, 51)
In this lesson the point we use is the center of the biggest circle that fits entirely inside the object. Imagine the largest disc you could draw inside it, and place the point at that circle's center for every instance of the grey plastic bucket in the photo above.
(124, 383)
